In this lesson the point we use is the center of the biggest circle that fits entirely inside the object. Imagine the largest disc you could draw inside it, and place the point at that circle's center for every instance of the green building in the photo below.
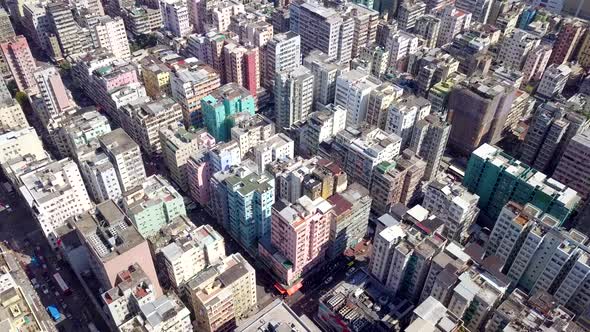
(217, 107)
(153, 205)
(498, 178)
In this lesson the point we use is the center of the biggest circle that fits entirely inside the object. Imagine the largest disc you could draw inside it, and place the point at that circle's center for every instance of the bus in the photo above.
(62, 284)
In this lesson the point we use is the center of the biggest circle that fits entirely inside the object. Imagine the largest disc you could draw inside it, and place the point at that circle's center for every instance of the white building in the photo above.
(251, 130)
(165, 314)
(480, 9)
(125, 155)
(55, 193)
(369, 150)
(383, 245)
(175, 17)
(452, 203)
(322, 28)
(12, 116)
(325, 72)
(403, 115)
(132, 290)
(19, 142)
(452, 22)
(553, 81)
(400, 45)
(293, 91)
(191, 253)
(277, 147)
(109, 33)
(282, 54)
(322, 126)
(352, 93)
(100, 176)
(516, 48)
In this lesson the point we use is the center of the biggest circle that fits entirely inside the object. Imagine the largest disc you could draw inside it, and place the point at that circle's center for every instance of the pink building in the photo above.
(114, 245)
(20, 61)
(569, 36)
(199, 174)
(299, 238)
(252, 70)
(52, 92)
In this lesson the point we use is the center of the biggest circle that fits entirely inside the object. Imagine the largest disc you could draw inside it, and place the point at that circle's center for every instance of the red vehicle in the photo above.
(62, 284)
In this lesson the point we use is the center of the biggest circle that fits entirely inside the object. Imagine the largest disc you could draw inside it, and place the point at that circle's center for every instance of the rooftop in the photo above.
(277, 316)
(153, 191)
(118, 142)
(108, 231)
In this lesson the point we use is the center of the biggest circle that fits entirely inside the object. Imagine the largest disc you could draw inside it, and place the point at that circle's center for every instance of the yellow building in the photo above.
(156, 78)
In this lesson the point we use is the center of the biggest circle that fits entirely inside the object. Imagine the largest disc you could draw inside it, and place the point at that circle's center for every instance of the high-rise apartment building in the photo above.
(293, 91)
(189, 86)
(428, 27)
(452, 22)
(188, 254)
(489, 166)
(573, 169)
(132, 290)
(143, 118)
(6, 29)
(352, 92)
(11, 115)
(401, 45)
(408, 14)
(109, 33)
(553, 80)
(250, 197)
(429, 141)
(480, 9)
(178, 145)
(368, 150)
(570, 34)
(221, 294)
(282, 54)
(125, 155)
(325, 72)
(54, 193)
(250, 130)
(322, 126)
(352, 208)
(380, 99)
(175, 17)
(454, 205)
(142, 20)
(71, 38)
(516, 49)
(535, 63)
(223, 102)
(53, 99)
(152, 205)
(478, 109)
(551, 128)
(242, 66)
(299, 234)
(17, 55)
(404, 114)
(322, 28)
(365, 27)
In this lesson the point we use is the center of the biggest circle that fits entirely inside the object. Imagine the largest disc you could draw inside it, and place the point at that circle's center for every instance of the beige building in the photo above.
(192, 252)
(20, 142)
(12, 116)
(143, 119)
(222, 293)
(178, 145)
(250, 130)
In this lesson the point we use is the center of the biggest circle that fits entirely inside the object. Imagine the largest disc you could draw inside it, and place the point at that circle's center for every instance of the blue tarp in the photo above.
(54, 312)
